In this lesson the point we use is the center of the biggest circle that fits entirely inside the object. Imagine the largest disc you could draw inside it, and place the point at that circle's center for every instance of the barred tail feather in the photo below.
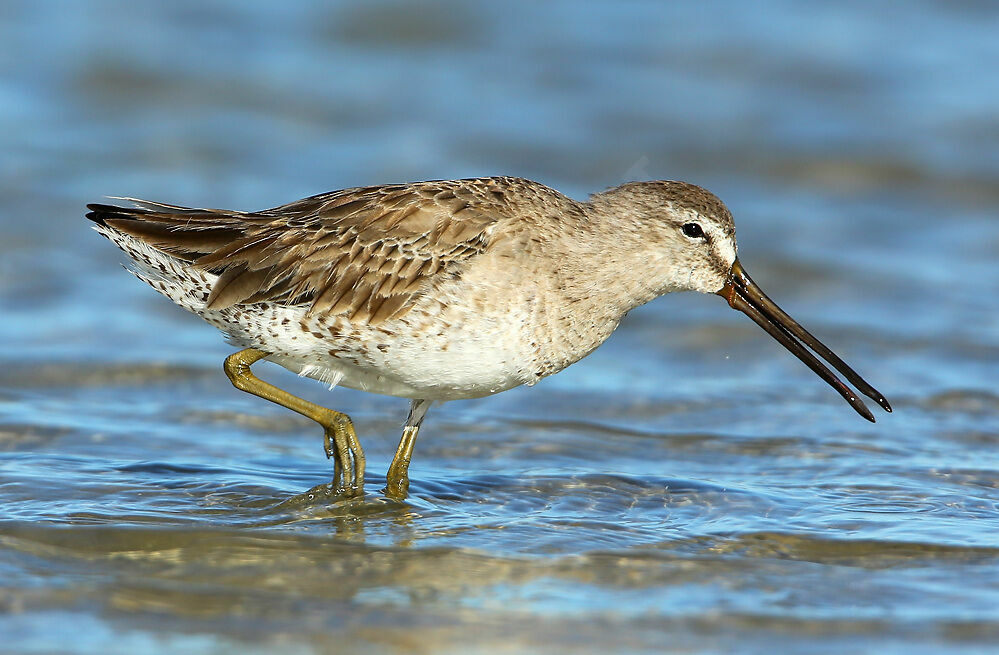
(169, 275)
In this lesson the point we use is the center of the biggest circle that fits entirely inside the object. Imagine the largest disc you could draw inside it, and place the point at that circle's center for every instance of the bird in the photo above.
(441, 290)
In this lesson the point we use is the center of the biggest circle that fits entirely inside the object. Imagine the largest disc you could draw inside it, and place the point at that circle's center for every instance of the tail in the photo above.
(181, 232)
(163, 241)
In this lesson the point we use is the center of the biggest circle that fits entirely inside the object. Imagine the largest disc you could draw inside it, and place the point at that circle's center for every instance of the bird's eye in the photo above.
(693, 230)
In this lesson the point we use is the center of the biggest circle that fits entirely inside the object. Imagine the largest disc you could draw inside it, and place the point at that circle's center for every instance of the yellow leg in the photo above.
(398, 473)
(340, 439)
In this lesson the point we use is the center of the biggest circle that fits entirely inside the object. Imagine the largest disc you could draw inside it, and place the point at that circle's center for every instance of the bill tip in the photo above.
(863, 410)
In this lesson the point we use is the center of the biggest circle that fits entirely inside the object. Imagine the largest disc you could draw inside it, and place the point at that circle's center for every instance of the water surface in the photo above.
(689, 487)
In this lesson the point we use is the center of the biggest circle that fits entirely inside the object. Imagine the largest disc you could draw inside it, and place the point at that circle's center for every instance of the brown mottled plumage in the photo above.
(363, 252)
(440, 290)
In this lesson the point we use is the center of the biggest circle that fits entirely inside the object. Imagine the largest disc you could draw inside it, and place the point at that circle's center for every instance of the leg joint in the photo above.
(237, 366)
(340, 420)
(236, 370)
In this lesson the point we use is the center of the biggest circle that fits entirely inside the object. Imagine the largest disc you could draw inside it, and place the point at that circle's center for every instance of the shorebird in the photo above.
(441, 290)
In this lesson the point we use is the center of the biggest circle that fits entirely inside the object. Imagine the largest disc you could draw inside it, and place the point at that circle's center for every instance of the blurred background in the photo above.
(689, 487)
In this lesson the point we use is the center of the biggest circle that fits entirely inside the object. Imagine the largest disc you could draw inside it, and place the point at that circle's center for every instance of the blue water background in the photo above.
(689, 487)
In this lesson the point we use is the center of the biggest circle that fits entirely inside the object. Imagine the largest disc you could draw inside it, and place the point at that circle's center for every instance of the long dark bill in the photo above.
(743, 294)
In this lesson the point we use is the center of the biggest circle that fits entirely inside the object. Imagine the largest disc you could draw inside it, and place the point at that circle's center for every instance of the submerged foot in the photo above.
(397, 483)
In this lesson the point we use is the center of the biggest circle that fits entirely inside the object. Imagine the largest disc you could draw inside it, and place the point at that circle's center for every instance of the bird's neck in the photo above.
(609, 271)
(599, 279)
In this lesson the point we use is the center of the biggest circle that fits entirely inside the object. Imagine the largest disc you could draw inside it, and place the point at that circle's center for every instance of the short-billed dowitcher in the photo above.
(441, 290)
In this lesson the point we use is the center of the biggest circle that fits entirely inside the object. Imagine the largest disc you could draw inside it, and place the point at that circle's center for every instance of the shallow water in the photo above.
(689, 487)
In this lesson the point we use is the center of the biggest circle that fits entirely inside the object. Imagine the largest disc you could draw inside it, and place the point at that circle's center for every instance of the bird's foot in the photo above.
(345, 450)
(397, 480)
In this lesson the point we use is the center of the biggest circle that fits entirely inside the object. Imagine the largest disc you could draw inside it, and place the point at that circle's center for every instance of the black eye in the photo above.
(693, 230)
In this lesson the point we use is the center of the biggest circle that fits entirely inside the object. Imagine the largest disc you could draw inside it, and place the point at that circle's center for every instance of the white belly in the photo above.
(446, 356)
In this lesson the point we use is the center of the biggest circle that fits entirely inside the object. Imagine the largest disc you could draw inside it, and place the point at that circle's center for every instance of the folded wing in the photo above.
(365, 253)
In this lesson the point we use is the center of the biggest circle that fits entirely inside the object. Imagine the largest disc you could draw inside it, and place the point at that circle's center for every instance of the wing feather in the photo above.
(367, 253)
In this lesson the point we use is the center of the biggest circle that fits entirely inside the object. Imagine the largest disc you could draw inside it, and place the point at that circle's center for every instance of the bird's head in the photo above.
(686, 236)
(686, 232)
